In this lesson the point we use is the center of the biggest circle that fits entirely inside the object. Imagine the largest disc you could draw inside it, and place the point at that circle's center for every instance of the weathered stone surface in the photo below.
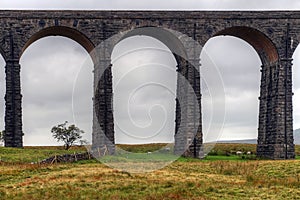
(274, 35)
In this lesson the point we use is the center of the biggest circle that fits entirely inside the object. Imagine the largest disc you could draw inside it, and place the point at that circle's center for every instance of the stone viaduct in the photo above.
(273, 34)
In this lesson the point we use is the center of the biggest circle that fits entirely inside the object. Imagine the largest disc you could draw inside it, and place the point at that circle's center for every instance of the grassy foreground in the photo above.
(217, 177)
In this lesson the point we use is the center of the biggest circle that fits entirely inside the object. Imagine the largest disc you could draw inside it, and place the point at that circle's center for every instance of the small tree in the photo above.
(69, 135)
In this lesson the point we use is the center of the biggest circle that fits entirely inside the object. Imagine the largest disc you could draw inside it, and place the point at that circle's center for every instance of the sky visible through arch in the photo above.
(54, 63)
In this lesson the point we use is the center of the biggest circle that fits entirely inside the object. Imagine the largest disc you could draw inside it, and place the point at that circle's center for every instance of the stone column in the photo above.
(194, 111)
(264, 113)
(284, 140)
(180, 114)
(275, 133)
(13, 105)
(188, 136)
(289, 137)
(103, 122)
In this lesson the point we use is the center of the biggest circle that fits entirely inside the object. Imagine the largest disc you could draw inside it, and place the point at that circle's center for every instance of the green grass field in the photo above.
(216, 177)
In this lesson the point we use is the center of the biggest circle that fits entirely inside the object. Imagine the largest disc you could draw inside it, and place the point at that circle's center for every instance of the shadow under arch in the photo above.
(64, 31)
(262, 44)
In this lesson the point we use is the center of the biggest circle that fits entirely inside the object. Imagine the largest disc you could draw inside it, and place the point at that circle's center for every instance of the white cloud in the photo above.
(238, 64)
(137, 116)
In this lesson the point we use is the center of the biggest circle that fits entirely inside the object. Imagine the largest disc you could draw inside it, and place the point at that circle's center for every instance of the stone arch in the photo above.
(263, 45)
(268, 137)
(176, 42)
(64, 31)
(67, 33)
(186, 52)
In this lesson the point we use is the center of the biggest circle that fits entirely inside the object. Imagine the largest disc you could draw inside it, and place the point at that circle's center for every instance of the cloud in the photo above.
(144, 91)
(238, 65)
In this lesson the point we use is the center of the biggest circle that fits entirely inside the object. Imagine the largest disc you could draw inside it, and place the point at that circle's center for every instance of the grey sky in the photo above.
(154, 4)
(56, 67)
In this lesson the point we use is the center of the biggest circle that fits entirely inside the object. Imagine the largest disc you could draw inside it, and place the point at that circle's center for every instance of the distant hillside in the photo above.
(254, 141)
(248, 141)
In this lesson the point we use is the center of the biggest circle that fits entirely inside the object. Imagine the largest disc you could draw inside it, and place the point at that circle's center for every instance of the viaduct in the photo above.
(273, 34)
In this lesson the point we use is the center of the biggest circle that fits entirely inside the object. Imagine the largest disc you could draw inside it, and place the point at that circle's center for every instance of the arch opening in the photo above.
(144, 85)
(239, 65)
(49, 68)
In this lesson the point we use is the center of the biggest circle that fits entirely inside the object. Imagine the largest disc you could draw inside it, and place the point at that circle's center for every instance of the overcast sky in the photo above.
(60, 64)
(153, 4)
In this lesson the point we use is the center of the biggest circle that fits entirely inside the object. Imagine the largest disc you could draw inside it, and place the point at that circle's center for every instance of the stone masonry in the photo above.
(273, 34)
